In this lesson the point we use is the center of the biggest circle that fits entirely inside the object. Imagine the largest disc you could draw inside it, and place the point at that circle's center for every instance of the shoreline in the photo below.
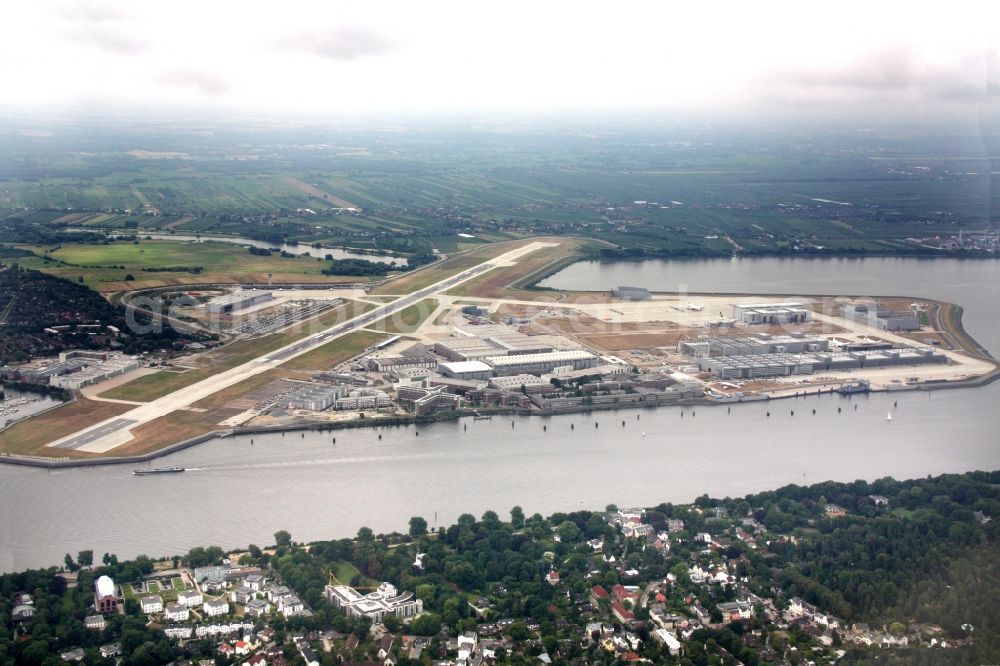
(406, 420)
(947, 317)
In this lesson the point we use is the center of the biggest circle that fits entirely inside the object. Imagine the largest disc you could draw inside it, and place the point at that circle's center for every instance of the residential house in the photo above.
(734, 611)
(290, 605)
(622, 614)
(177, 613)
(151, 604)
(276, 591)
(178, 631)
(258, 608)
(255, 582)
(385, 645)
(215, 607)
(308, 655)
(597, 593)
(190, 598)
(241, 595)
(110, 650)
(76, 654)
(95, 622)
(625, 593)
(637, 530)
(669, 639)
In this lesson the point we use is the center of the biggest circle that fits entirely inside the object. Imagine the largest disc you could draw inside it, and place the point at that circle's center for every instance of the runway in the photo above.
(114, 432)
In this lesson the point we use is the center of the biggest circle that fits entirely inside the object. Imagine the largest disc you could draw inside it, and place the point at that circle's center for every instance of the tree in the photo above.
(366, 534)
(517, 517)
(282, 539)
(129, 277)
(85, 558)
(70, 564)
(418, 526)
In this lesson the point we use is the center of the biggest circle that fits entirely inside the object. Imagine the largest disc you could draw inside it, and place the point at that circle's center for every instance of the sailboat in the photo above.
(888, 417)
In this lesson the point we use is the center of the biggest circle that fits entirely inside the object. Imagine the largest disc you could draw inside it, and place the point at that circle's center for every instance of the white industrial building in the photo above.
(76, 369)
(466, 370)
(539, 363)
(491, 341)
(238, 300)
(791, 312)
(881, 318)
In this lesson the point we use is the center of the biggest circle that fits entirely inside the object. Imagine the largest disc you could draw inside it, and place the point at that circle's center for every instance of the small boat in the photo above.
(860, 386)
(888, 417)
(158, 470)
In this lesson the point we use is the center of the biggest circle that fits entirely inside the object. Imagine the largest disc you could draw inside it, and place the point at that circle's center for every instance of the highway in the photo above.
(111, 433)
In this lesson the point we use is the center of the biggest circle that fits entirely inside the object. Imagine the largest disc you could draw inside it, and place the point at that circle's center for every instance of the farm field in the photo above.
(653, 190)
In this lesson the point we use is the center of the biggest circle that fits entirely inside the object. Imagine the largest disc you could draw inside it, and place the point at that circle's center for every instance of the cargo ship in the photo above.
(860, 386)
(158, 470)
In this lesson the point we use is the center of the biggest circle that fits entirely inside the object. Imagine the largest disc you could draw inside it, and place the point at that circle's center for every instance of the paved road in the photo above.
(95, 433)
(114, 432)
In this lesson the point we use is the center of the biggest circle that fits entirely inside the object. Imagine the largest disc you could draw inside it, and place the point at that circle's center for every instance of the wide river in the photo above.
(236, 492)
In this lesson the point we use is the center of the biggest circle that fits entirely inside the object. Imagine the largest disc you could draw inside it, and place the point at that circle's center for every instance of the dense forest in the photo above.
(31, 301)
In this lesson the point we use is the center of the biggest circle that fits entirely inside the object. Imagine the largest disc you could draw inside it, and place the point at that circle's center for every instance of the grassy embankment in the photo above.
(222, 263)
(407, 320)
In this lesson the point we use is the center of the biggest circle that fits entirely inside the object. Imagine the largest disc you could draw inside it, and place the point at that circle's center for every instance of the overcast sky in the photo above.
(329, 59)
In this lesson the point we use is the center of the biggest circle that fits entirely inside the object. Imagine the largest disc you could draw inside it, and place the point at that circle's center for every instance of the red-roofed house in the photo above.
(621, 594)
(623, 614)
(597, 593)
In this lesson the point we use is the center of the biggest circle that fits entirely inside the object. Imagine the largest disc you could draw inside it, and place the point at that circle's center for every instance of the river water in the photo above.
(236, 492)
(298, 249)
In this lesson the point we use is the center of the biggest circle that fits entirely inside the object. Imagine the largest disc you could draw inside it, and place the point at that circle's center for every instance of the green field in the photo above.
(100, 266)
(409, 319)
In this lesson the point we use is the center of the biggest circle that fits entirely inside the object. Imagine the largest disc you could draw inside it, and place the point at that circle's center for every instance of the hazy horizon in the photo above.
(785, 63)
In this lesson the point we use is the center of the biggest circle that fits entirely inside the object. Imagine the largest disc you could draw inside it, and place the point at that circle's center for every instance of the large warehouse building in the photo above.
(238, 300)
(886, 320)
(539, 363)
(785, 364)
(494, 341)
(771, 313)
(631, 293)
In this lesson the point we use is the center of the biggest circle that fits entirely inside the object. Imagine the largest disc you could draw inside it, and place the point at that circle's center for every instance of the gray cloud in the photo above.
(104, 25)
(202, 82)
(342, 44)
(967, 78)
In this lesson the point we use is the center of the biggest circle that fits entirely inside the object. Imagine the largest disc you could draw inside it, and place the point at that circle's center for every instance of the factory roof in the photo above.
(459, 367)
(568, 355)
(765, 306)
